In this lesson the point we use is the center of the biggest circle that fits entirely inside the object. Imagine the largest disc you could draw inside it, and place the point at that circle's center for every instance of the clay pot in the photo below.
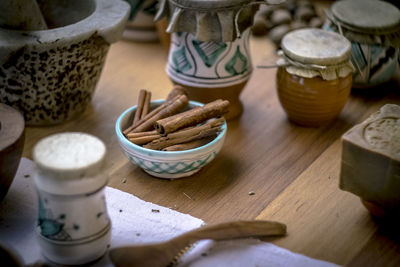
(11, 145)
(50, 75)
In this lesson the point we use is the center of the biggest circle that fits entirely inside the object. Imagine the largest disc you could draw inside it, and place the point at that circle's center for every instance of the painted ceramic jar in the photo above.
(211, 70)
(373, 27)
(73, 226)
(315, 75)
(209, 52)
(140, 26)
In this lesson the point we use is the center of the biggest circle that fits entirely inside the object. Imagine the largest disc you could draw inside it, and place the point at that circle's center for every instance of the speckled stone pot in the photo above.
(50, 75)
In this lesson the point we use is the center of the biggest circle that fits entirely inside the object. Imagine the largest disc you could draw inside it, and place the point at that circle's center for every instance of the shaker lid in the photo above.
(69, 152)
(368, 16)
(209, 20)
(316, 46)
(69, 157)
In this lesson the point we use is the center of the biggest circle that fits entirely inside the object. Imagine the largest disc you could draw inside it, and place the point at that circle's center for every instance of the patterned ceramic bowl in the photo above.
(168, 164)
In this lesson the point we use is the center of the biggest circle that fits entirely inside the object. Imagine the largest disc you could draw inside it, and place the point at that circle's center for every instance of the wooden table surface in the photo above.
(292, 170)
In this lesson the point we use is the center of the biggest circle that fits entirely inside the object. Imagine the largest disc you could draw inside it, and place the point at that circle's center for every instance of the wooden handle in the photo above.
(162, 254)
(233, 230)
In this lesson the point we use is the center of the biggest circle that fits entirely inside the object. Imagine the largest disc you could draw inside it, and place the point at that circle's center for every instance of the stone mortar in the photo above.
(51, 75)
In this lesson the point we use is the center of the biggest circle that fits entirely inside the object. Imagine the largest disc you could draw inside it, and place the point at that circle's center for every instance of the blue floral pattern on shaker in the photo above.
(50, 227)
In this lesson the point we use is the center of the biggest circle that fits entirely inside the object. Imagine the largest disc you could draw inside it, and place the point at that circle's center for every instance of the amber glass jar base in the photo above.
(312, 101)
(230, 93)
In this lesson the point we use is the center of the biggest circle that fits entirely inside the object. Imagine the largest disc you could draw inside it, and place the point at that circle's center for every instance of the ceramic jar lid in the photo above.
(209, 20)
(69, 163)
(318, 51)
(367, 21)
(367, 15)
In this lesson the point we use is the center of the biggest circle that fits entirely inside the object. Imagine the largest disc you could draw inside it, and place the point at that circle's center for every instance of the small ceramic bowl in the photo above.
(167, 164)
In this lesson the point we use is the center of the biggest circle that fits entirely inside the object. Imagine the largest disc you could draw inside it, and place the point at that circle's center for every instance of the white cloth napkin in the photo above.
(135, 221)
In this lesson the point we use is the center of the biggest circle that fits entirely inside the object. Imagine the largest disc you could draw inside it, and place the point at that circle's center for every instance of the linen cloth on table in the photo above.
(135, 221)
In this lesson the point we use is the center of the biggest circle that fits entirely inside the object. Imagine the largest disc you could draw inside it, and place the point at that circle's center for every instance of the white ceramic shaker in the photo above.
(73, 226)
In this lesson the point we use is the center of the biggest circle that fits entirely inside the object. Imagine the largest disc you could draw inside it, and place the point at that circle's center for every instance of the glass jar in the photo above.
(315, 76)
(373, 27)
(73, 224)
(209, 52)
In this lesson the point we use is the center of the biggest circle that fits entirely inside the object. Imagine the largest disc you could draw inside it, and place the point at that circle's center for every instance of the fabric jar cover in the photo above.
(210, 20)
(356, 22)
(314, 52)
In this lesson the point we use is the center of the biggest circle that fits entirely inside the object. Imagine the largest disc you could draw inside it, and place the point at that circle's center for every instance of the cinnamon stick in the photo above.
(170, 109)
(141, 134)
(149, 115)
(177, 90)
(140, 104)
(210, 128)
(141, 140)
(172, 96)
(192, 117)
(143, 137)
(146, 106)
(134, 125)
(189, 145)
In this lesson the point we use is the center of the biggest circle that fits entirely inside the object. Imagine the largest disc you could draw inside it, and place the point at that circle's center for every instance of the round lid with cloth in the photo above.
(314, 52)
(367, 20)
(210, 20)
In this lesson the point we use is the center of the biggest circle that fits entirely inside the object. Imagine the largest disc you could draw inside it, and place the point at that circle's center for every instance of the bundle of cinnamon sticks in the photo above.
(168, 127)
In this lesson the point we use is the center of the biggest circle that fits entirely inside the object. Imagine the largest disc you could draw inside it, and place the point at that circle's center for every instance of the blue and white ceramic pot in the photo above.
(210, 69)
(209, 51)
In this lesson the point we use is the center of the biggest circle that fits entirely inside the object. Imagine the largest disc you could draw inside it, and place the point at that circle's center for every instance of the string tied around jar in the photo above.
(310, 70)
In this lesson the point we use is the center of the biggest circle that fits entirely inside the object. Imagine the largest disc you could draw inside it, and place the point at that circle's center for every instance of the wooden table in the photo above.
(292, 170)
